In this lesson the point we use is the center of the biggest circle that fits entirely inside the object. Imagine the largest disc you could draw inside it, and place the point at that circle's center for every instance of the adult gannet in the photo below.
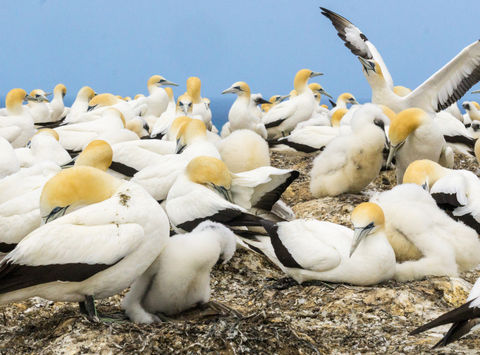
(244, 150)
(56, 106)
(18, 124)
(425, 239)
(80, 105)
(94, 252)
(161, 125)
(457, 192)
(455, 134)
(43, 146)
(307, 249)
(157, 101)
(414, 135)
(437, 93)
(9, 163)
(343, 100)
(464, 318)
(198, 105)
(242, 114)
(351, 161)
(283, 117)
(320, 115)
(38, 107)
(179, 278)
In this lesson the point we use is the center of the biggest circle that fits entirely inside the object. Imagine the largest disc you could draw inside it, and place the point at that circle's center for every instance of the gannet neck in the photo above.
(14, 101)
(406, 122)
(424, 173)
(86, 93)
(301, 79)
(97, 154)
(169, 92)
(77, 186)
(59, 91)
(177, 124)
(209, 171)
(337, 116)
(401, 90)
(193, 89)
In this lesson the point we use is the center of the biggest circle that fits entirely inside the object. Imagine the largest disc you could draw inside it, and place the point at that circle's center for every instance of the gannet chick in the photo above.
(456, 192)
(425, 239)
(283, 117)
(351, 161)
(464, 318)
(179, 279)
(437, 93)
(244, 150)
(307, 249)
(43, 146)
(198, 105)
(9, 163)
(242, 114)
(18, 118)
(413, 135)
(95, 251)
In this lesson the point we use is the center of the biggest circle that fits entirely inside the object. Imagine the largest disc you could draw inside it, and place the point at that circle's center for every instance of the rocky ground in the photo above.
(301, 319)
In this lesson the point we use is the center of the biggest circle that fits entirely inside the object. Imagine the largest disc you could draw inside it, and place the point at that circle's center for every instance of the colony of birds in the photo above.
(115, 192)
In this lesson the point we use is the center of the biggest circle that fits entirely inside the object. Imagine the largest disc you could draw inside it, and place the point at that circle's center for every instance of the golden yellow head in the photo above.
(378, 69)
(177, 124)
(401, 90)
(115, 112)
(103, 100)
(193, 89)
(154, 80)
(315, 87)
(15, 99)
(86, 92)
(239, 88)
(97, 154)
(337, 116)
(301, 79)
(347, 98)
(169, 92)
(404, 123)
(82, 185)
(138, 96)
(208, 170)
(423, 172)
(48, 131)
(367, 213)
(388, 112)
(60, 90)
(137, 125)
(191, 130)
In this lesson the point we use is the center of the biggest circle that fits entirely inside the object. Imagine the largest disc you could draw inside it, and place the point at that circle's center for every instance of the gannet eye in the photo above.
(237, 88)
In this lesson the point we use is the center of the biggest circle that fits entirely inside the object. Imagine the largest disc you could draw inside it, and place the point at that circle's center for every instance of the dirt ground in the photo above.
(298, 320)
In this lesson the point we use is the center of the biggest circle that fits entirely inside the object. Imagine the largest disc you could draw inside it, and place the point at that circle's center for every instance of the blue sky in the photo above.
(114, 46)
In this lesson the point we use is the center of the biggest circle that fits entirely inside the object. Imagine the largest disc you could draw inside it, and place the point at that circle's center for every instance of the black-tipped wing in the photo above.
(456, 331)
(450, 83)
(281, 252)
(123, 169)
(356, 41)
(271, 196)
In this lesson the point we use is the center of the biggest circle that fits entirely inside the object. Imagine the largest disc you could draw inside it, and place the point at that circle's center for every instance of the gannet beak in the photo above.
(180, 147)
(283, 98)
(90, 108)
(393, 151)
(54, 214)
(230, 90)
(166, 83)
(425, 186)
(43, 98)
(367, 65)
(476, 92)
(314, 74)
(224, 192)
(323, 92)
(358, 235)
(29, 98)
(354, 102)
(262, 101)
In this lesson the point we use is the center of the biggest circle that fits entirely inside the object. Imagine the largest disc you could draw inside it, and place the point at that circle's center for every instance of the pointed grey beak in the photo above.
(392, 152)
(29, 98)
(180, 147)
(367, 66)
(224, 192)
(42, 98)
(314, 74)
(48, 94)
(358, 235)
(166, 83)
(354, 102)
(323, 92)
(283, 98)
(228, 91)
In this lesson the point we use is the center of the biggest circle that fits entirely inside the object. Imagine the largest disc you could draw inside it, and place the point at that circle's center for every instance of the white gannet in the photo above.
(437, 93)
(320, 115)
(307, 249)
(94, 252)
(80, 105)
(457, 192)
(9, 163)
(343, 101)
(56, 106)
(242, 114)
(18, 122)
(38, 106)
(455, 134)
(464, 318)
(179, 279)
(157, 101)
(199, 107)
(43, 146)
(473, 113)
(413, 135)
(351, 161)
(425, 239)
(244, 150)
(283, 117)
(274, 100)
(161, 125)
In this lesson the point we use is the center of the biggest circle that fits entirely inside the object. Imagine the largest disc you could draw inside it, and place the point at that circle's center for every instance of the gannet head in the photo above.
(424, 173)
(86, 92)
(259, 100)
(38, 95)
(97, 154)
(193, 89)
(184, 104)
(402, 125)
(138, 126)
(317, 88)
(366, 218)
(158, 80)
(468, 105)
(206, 100)
(169, 92)
(141, 95)
(337, 116)
(240, 88)
(14, 100)
(211, 172)
(189, 132)
(301, 79)
(177, 124)
(102, 100)
(347, 98)
(401, 90)
(74, 187)
(60, 90)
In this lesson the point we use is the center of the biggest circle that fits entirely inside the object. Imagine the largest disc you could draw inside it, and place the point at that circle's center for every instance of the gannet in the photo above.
(473, 113)
(413, 135)
(283, 117)
(351, 161)
(43, 146)
(307, 249)
(425, 239)
(18, 122)
(9, 163)
(274, 100)
(161, 125)
(198, 105)
(464, 318)
(457, 192)
(242, 114)
(244, 150)
(320, 115)
(179, 278)
(157, 101)
(38, 107)
(80, 105)
(94, 252)
(56, 106)
(455, 134)
(438, 92)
